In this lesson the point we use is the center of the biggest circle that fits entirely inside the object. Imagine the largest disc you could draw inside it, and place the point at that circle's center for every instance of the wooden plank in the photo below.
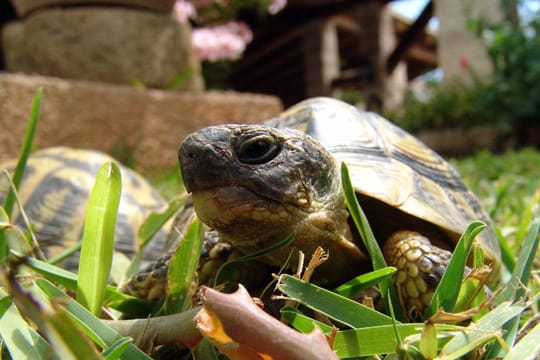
(409, 37)
(420, 54)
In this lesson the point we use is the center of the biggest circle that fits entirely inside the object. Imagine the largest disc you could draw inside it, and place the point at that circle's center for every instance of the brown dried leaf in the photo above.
(443, 317)
(241, 330)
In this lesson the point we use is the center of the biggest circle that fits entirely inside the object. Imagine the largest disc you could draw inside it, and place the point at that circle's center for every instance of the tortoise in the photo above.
(54, 193)
(255, 184)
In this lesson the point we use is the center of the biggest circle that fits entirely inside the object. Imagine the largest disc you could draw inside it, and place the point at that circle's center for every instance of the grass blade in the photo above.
(117, 349)
(507, 255)
(182, 269)
(156, 220)
(205, 350)
(372, 341)
(367, 341)
(428, 341)
(9, 202)
(361, 222)
(364, 229)
(364, 281)
(98, 237)
(51, 321)
(65, 337)
(226, 271)
(480, 332)
(26, 147)
(524, 263)
(302, 322)
(516, 289)
(115, 299)
(528, 347)
(27, 344)
(4, 218)
(447, 291)
(93, 327)
(64, 254)
(346, 311)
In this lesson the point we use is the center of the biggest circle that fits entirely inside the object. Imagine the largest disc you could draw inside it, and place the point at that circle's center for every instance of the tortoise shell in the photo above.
(255, 184)
(400, 182)
(54, 193)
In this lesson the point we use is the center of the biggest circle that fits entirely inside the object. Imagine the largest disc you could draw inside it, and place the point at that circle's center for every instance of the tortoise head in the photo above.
(256, 184)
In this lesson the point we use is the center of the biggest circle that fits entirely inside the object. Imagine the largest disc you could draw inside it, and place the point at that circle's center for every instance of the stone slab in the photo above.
(86, 114)
(24, 7)
(114, 45)
(459, 141)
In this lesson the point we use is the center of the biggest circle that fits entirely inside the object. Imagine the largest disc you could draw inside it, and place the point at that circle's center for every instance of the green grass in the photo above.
(508, 185)
(36, 307)
(168, 182)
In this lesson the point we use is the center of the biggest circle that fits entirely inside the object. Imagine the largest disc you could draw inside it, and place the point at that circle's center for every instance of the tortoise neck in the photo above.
(327, 228)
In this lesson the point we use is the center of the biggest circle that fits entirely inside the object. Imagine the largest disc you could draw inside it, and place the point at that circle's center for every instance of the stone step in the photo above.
(95, 115)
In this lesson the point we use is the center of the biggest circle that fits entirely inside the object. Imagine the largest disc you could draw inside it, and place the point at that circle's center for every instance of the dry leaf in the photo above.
(241, 330)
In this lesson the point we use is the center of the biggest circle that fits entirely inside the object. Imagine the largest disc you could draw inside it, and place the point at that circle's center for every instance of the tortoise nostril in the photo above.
(189, 151)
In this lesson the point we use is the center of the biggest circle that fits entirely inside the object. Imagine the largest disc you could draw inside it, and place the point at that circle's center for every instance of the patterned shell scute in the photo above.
(54, 193)
(390, 165)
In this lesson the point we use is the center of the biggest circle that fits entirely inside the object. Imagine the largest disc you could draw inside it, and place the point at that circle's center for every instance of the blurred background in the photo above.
(142, 74)
(134, 77)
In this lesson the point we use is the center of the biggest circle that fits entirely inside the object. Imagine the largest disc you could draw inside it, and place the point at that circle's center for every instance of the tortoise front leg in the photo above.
(150, 283)
(420, 267)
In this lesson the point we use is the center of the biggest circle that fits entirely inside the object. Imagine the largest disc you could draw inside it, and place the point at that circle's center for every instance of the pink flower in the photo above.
(183, 10)
(276, 6)
(463, 63)
(227, 41)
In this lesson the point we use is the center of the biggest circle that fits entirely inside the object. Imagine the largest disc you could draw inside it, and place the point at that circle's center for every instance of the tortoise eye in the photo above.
(258, 150)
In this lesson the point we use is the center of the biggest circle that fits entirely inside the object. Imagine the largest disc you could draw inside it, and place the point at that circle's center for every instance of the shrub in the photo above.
(510, 97)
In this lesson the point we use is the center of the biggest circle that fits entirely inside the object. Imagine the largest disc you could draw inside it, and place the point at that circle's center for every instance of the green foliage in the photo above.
(47, 321)
(182, 270)
(510, 96)
(347, 312)
(227, 270)
(9, 201)
(27, 344)
(364, 281)
(90, 325)
(447, 291)
(97, 244)
(526, 346)
(456, 105)
(157, 220)
(515, 54)
(508, 186)
(387, 288)
(370, 337)
(169, 182)
(124, 151)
